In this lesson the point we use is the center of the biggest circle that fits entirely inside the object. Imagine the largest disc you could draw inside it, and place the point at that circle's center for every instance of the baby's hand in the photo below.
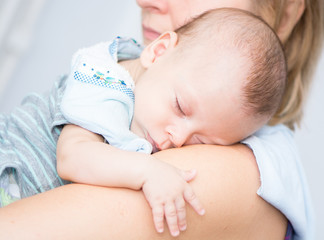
(166, 189)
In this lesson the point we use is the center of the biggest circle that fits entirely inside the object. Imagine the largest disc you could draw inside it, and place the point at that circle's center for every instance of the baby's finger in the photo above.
(181, 211)
(189, 174)
(192, 199)
(158, 218)
(172, 218)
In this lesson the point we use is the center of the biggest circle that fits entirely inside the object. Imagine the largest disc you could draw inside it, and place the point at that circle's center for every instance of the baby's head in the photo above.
(236, 33)
(225, 71)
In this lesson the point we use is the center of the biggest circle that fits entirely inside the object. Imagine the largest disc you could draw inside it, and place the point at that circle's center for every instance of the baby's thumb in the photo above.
(189, 174)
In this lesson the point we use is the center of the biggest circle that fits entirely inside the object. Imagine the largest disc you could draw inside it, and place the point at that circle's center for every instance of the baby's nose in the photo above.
(181, 137)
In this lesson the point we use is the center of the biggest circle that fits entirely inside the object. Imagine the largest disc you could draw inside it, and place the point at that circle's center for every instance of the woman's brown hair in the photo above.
(302, 49)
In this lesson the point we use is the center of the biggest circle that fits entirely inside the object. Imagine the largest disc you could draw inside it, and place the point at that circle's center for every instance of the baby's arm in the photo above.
(83, 157)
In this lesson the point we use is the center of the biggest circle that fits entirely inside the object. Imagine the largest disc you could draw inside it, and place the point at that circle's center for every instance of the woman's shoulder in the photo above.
(226, 183)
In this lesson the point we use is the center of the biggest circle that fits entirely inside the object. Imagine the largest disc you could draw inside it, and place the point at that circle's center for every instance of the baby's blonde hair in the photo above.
(302, 49)
(254, 41)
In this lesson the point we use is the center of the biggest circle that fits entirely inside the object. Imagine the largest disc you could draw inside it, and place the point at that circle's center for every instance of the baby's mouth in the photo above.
(153, 143)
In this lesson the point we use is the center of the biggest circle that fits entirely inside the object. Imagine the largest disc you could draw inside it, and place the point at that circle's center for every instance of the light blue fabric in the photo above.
(99, 94)
(283, 181)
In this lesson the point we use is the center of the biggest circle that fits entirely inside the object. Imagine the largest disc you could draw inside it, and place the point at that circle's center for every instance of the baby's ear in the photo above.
(166, 41)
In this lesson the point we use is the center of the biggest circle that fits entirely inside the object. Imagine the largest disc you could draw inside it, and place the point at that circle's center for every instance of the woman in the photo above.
(233, 210)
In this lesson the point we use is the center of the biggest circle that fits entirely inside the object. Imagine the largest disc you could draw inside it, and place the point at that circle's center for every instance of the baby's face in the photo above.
(183, 102)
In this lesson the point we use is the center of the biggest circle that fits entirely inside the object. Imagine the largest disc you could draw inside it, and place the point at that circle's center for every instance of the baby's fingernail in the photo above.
(160, 230)
(183, 228)
(175, 233)
(202, 212)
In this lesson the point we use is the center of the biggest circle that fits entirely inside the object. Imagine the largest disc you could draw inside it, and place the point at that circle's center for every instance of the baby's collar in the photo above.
(125, 48)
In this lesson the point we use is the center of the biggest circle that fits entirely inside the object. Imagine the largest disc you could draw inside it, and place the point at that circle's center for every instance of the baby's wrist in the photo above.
(144, 168)
(151, 164)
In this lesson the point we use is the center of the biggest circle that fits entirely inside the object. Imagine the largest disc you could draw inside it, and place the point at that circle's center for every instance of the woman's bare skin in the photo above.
(226, 183)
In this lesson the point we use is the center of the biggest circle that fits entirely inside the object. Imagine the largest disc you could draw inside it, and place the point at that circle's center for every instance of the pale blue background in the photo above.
(64, 26)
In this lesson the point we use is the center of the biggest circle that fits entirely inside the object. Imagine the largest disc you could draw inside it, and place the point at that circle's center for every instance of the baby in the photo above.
(216, 80)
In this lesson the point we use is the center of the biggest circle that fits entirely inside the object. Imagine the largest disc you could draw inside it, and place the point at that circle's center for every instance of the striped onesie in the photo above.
(28, 138)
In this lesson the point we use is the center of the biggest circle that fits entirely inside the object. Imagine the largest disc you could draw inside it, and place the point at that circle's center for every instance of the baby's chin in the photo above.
(152, 142)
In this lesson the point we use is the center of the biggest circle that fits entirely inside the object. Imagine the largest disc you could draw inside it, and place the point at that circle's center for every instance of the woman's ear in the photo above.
(166, 41)
(293, 11)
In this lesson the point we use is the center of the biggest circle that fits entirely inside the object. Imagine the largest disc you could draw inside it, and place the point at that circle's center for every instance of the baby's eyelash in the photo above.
(178, 106)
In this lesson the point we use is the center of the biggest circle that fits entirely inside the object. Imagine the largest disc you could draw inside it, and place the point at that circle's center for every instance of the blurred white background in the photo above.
(38, 38)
